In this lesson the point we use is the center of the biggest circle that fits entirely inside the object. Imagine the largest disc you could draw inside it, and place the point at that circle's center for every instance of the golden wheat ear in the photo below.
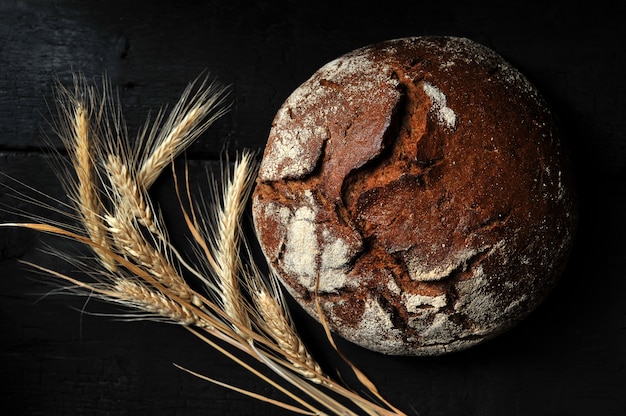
(240, 311)
(201, 104)
(78, 126)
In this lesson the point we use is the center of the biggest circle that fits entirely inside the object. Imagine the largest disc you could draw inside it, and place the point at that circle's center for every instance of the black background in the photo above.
(57, 357)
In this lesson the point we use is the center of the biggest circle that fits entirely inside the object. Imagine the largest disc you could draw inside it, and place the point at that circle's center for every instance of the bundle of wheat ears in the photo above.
(239, 311)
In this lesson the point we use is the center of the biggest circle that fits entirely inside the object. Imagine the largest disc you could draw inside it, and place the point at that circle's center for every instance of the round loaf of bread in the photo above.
(418, 190)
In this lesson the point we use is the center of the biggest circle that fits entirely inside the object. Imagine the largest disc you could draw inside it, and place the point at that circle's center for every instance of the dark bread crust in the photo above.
(422, 180)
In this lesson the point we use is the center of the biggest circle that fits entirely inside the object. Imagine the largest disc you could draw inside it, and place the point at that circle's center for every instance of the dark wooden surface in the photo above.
(58, 357)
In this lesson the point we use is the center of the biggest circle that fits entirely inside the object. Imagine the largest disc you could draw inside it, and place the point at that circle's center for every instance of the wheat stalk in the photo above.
(241, 309)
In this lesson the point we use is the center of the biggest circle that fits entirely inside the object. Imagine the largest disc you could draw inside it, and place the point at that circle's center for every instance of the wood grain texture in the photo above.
(567, 358)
